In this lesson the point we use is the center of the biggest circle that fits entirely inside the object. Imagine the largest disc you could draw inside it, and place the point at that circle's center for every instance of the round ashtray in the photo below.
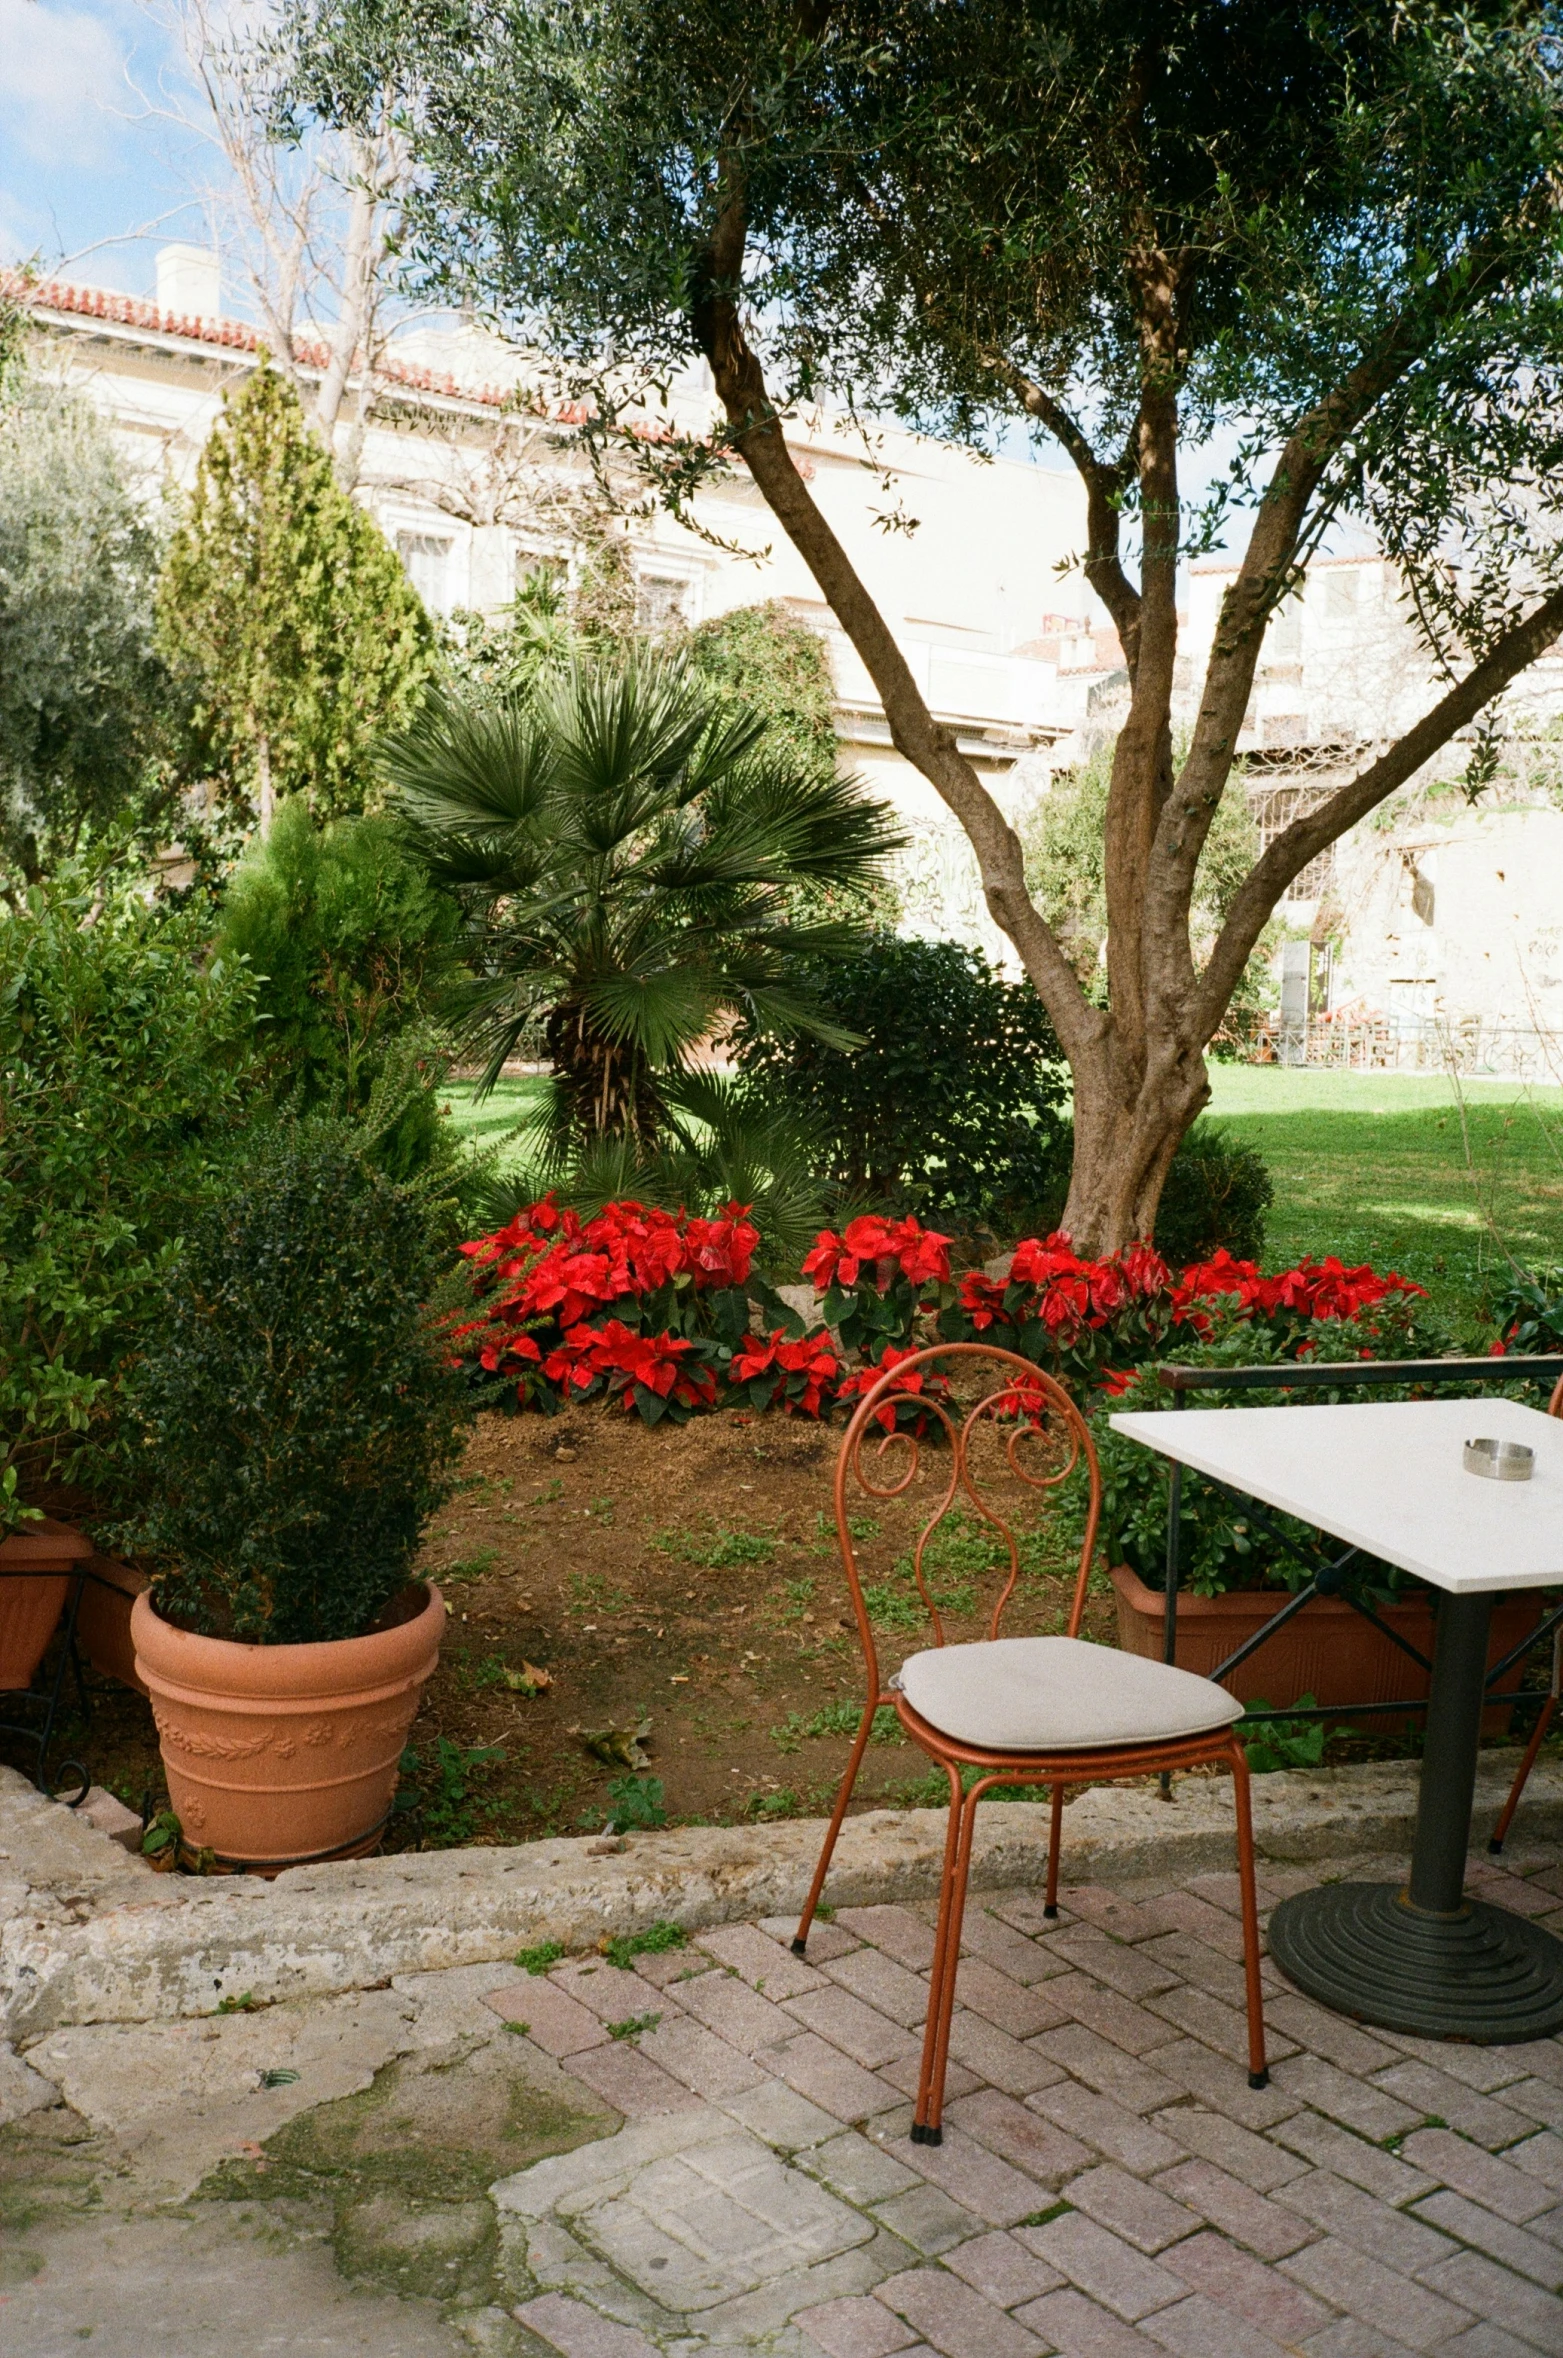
(1500, 1461)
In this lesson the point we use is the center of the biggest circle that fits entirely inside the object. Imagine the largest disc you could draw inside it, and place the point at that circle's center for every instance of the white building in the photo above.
(471, 490)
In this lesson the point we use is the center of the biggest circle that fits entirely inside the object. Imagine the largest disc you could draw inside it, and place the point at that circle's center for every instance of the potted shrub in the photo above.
(300, 1414)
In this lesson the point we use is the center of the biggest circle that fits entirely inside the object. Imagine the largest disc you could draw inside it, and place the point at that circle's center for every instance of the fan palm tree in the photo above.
(634, 867)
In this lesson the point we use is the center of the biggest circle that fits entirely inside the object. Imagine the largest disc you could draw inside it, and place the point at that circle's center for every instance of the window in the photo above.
(1341, 594)
(1274, 808)
(1283, 639)
(660, 602)
(426, 557)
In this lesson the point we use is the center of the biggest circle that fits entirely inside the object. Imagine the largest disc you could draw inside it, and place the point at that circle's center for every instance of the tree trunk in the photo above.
(1129, 1122)
(265, 795)
(606, 1085)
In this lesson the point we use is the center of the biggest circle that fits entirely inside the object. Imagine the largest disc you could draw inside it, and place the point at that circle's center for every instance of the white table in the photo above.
(1388, 1477)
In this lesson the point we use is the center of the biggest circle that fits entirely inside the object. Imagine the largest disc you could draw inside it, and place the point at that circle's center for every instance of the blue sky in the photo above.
(84, 162)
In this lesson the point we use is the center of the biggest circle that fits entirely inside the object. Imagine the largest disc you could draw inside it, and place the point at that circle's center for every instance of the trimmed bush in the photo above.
(298, 1408)
(1215, 1199)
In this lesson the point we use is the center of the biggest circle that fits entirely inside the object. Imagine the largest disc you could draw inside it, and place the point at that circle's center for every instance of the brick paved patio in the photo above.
(1108, 2186)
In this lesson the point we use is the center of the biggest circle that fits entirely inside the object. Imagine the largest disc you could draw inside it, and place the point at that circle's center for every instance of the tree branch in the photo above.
(1104, 487)
(756, 432)
(1306, 837)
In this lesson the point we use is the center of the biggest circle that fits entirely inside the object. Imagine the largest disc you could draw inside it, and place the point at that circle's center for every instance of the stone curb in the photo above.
(86, 1942)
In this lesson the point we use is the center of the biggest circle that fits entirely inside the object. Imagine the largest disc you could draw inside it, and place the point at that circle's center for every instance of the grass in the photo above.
(1374, 1167)
(486, 1123)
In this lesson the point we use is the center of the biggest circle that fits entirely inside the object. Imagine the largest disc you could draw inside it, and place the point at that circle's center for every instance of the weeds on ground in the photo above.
(722, 1551)
(655, 1941)
(1283, 1743)
(442, 1789)
(836, 1719)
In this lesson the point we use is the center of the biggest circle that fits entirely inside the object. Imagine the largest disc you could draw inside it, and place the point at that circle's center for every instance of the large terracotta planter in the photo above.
(1326, 1650)
(103, 1618)
(277, 1755)
(30, 1606)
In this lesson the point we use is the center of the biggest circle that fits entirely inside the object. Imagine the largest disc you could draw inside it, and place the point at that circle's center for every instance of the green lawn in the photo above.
(1375, 1167)
(486, 1122)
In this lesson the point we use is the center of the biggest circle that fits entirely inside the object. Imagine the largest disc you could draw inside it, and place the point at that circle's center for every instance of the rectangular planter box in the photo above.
(1327, 1650)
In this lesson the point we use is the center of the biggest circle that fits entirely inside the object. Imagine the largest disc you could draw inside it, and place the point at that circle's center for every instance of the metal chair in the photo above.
(1015, 1711)
(1545, 1716)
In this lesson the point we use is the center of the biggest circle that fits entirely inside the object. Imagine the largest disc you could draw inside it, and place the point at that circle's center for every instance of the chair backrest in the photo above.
(1555, 1404)
(1030, 1407)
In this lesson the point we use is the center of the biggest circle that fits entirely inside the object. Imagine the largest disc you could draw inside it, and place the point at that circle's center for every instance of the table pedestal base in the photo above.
(1483, 1974)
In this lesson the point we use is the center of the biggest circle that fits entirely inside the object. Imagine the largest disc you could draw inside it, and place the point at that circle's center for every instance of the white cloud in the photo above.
(63, 93)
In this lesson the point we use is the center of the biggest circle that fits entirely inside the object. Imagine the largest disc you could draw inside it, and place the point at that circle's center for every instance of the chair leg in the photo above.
(942, 2005)
(1258, 2067)
(1544, 1721)
(1055, 1838)
(1522, 1775)
(944, 1962)
(800, 1939)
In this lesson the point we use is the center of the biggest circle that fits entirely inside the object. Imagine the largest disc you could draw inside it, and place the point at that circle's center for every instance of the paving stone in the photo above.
(1366, 2289)
(826, 1941)
(1549, 2225)
(759, 1961)
(763, 2317)
(1189, 1960)
(1086, 2056)
(1202, 2328)
(553, 2019)
(1474, 2115)
(954, 2319)
(1349, 2337)
(860, 2170)
(1542, 2058)
(998, 2059)
(895, 1930)
(1236, 2209)
(1080, 2328)
(1497, 2297)
(1222, 1890)
(1487, 2341)
(1336, 2208)
(664, 1967)
(737, 2013)
(1540, 2157)
(1372, 2110)
(1484, 2068)
(1331, 2147)
(580, 2332)
(1238, 2281)
(1002, 2270)
(1103, 2266)
(928, 2220)
(1006, 2004)
(1330, 2035)
(855, 2328)
(1129, 1971)
(1255, 2160)
(604, 1990)
(971, 2174)
(1148, 2218)
(631, 2082)
(1185, 1911)
(1498, 2238)
(1113, 1911)
(1539, 2100)
(781, 2117)
(1224, 2087)
(703, 2062)
(1024, 1960)
(870, 2038)
(829, 2078)
(1119, 2019)
(1216, 2024)
(905, 2074)
(1121, 2135)
(880, 1982)
(1027, 1912)
(1514, 2194)
(1016, 2132)
(1508, 1891)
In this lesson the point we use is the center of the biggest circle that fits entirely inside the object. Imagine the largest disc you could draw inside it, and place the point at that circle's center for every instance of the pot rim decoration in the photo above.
(286, 1755)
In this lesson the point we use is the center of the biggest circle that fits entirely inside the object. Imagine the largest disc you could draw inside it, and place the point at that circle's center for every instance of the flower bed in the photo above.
(658, 1310)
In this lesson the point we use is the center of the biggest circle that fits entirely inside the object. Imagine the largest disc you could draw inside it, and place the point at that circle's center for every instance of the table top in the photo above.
(1387, 1476)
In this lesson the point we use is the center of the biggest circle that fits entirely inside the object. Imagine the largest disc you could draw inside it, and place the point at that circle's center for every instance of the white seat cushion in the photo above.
(1057, 1694)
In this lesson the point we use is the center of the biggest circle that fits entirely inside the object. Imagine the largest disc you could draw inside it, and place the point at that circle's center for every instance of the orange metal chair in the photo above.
(1545, 1717)
(1015, 1711)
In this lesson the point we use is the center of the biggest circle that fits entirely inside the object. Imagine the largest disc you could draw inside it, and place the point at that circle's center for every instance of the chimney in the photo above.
(187, 282)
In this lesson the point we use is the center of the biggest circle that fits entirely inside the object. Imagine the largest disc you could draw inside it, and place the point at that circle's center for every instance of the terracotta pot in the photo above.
(1327, 1650)
(103, 1618)
(30, 1607)
(280, 1754)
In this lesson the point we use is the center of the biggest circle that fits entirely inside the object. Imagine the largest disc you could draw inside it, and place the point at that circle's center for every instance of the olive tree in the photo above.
(1327, 230)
